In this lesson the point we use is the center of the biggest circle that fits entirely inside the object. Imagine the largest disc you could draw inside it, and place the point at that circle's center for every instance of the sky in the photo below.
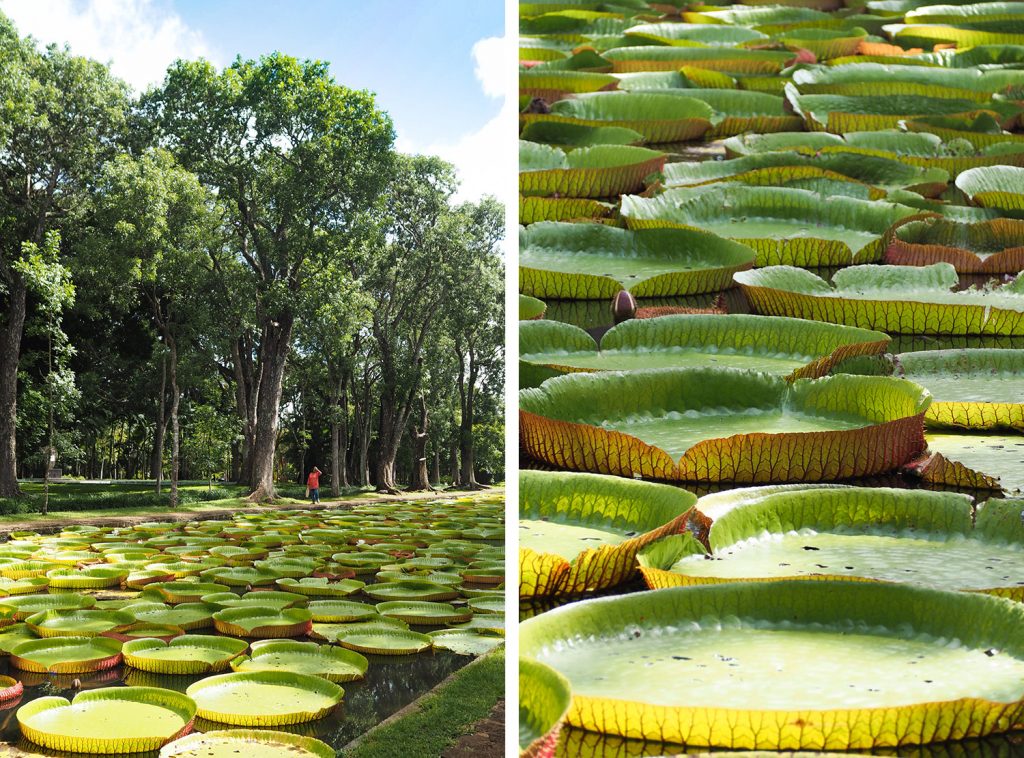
(439, 67)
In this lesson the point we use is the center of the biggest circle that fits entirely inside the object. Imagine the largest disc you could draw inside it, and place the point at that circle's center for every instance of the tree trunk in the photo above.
(246, 389)
(172, 347)
(389, 438)
(420, 434)
(339, 439)
(10, 352)
(467, 397)
(453, 465)
(274, 349)
(435, 474)
(156, 465)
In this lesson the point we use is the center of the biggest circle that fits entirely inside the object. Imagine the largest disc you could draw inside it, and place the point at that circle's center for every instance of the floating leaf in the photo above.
(581, 532)
(66, 655)
(715, 424)
(893, 299)
(872, 663)
(782, 225)
(232, 742)
(999, 187)
(264, 698)
(791, 348)
(332, 663)
(599, 171)
(108, 720)
(563, 260)
(187, 654)
(990, 246)
(544, 697)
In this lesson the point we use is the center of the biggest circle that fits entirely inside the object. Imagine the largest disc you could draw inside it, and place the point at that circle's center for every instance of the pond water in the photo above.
(391, 683)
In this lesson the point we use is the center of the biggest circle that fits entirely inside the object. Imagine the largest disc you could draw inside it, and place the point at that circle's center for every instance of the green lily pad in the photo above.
(66, 655)
(320, 586)
(411, 589)
(424, 614)
(108, 720)
(333, 663)
(187, 654)
(589, 172)
(465, 642)
(385, 641)
(252, 743)
(264, 698)
(80, 623)
(593, 261)
(340, 610)
(263, 622)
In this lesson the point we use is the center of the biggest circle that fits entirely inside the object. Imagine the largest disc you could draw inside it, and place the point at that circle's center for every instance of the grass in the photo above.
(442, 716)
(136, 498)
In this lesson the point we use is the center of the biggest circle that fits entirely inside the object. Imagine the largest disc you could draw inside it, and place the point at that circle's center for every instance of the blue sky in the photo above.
(404, 51)
(439, 67)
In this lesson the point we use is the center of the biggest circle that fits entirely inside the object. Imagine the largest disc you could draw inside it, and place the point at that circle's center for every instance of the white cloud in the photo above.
(139, 38)
(484, 159)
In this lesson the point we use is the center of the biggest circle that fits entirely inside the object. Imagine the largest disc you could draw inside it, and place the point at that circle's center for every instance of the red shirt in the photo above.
(314, 480)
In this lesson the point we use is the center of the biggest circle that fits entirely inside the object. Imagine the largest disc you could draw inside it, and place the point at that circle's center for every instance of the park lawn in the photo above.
(442, 716)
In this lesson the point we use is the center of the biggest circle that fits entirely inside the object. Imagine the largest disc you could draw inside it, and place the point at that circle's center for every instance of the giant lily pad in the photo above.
(67, 655)
(658, 117)
(599, 171)
(81, 623)
(108, 720)
(411, 589)
(321, 586)
(463, 642)
(383, 641)
(991, 246)
(415, 612)
(188, 616)
(534, 209)
(876, 534)
(791, 348)
(594, 261)
(182, 592)
(782, 225)
(187, 654)
(878, 173)
(261, 598)
(999, 187)
(972, 388)
(530, 308)
(869, 664)
(992, 460)
(544, 697)
(847, 113)
(264, 698)
(340, 610)
(671, 58)
(21, 607)
(251, 743)
(692, 35)
(333, 663)
(581, 532)
(874, 79)
(263, 622)
(893, 299)
(723, 425)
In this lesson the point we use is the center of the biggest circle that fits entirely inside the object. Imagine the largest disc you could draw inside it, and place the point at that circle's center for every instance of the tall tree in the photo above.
(159, 222)
(409, 269)
(477, 324)
(60, 116)
(295, 157)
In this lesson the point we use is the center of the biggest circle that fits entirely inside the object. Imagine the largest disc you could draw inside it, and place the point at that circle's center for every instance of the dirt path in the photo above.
(487, 740)
(54, 525)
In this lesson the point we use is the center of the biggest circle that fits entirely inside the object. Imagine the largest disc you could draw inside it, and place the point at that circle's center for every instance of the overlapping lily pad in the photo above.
(544, 697)
(869, 663)
(999, 187)
(593, 261)
(263, 622)
(658, 117)
(893, 299)
(992, 246)
(791, 348)
(783, 225)
(108, 720)
(81, 623)
(531, 308)
(187, 654)
(852, 533)
(588, 172)
(581, 532)
(723, 425)
(974, 389)
(332, 663)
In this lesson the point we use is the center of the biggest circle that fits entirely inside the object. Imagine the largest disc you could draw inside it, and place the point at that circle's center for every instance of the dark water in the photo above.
(391, 683)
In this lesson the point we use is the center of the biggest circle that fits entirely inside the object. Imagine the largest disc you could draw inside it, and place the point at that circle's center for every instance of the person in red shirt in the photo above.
(313, 484)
